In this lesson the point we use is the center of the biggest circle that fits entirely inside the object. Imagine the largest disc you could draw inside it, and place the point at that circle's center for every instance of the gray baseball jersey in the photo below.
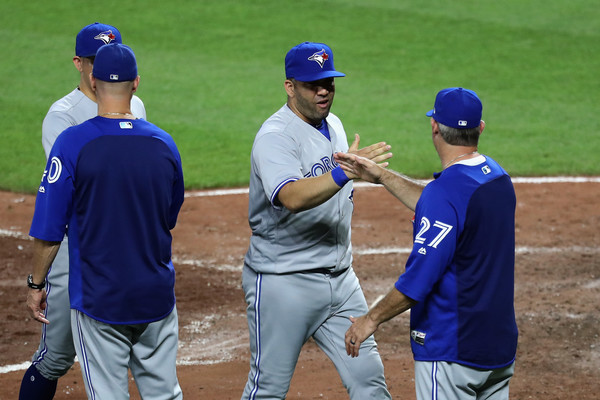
(287, 149)
(285, 309)
(56, 353)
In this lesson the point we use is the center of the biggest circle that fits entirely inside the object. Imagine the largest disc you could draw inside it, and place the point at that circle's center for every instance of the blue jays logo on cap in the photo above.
(319, 57)
(106, 37)
(457, 108)
(94, 36)
(308, 62)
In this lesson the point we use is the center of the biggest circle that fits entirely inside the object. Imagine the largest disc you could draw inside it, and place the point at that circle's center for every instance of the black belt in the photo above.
(326, 271)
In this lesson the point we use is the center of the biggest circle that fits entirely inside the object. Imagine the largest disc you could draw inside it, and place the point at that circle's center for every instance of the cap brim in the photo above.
(318, 76)
(430, 113)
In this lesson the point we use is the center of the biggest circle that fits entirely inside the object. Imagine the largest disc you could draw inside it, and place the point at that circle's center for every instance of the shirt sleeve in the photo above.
(435, 236)
(178, 192)
(53, 203)
(276, 160)
(54, 124)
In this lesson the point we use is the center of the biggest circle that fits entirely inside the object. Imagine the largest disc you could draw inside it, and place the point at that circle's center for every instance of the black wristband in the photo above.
(33, 285)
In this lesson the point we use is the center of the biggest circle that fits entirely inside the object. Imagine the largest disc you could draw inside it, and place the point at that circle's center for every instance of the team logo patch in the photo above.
(125, 125)
(319, 57)
(418, 337)
(486, 169)
(106, 37)
(114, 77)
(462, 123)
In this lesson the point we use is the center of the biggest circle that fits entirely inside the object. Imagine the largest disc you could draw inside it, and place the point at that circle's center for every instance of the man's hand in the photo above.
(377, 152)
(361, 328)
(36, 303)
(394, 303)
(360, 167)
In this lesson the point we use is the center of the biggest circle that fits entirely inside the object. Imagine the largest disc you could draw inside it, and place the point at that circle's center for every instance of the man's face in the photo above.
(311, 100)
(84, 65)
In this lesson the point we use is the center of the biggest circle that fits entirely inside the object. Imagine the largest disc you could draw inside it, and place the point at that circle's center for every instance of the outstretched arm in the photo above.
(308, 193)
(394, 303)
(405, 189)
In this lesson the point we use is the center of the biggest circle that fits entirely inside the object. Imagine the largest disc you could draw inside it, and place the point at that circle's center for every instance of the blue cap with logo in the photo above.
(309, 62)
(91, 37)
(115, 62)
(457, 108)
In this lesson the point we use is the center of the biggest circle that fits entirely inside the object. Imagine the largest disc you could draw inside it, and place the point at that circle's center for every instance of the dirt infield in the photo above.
(557, 295)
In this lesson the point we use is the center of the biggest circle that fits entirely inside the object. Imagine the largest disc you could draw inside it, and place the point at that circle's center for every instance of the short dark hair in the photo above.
(460, 137)
(89, 58)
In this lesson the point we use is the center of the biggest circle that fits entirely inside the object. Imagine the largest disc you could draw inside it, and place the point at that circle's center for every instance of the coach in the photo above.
(116, 182)
(459, 279)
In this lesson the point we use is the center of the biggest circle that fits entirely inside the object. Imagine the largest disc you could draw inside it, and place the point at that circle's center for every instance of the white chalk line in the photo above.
(533, 180)
(518, 250)
(14, 234)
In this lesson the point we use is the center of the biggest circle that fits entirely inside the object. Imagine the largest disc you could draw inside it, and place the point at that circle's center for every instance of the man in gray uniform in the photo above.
(297, 278)
(56, 353)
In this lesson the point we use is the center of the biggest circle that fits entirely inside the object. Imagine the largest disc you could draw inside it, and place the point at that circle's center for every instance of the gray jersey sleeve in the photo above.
(276, 161)
(53, 125)
(71, 110)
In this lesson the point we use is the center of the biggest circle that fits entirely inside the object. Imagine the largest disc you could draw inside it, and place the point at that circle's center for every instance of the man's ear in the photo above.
(289, 87)
(136, 83)
(435, 128)
(93, 82)
(481, 126)
(77, 63)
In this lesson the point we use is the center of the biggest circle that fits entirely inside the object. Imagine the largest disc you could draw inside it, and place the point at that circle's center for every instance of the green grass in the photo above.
(212, 72)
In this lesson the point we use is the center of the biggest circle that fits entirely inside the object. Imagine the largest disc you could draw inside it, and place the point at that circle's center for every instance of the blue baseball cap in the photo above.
(115, 62)
(457, 108)
(91, 37)
(309, 62)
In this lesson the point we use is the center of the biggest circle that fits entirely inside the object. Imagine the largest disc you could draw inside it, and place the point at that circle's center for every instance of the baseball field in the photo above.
(212, 71)
(557, 294)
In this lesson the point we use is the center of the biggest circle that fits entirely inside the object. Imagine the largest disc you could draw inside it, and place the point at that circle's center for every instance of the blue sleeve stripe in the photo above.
(277, 189)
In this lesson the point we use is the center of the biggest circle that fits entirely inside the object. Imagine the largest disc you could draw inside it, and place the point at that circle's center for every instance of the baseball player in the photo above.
(55, 354)
(116, 182)
(298, 278)
(459, 278)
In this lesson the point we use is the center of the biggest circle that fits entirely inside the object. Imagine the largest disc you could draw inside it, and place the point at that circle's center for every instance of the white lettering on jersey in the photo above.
(444, 230)
(425, 226)
(325, 165)
(55, 170)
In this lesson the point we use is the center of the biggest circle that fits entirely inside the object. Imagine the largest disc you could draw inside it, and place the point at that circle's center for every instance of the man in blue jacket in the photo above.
(459, 278)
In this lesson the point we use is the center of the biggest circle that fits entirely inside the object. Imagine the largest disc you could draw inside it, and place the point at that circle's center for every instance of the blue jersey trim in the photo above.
(273, 198)
(256, 379)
